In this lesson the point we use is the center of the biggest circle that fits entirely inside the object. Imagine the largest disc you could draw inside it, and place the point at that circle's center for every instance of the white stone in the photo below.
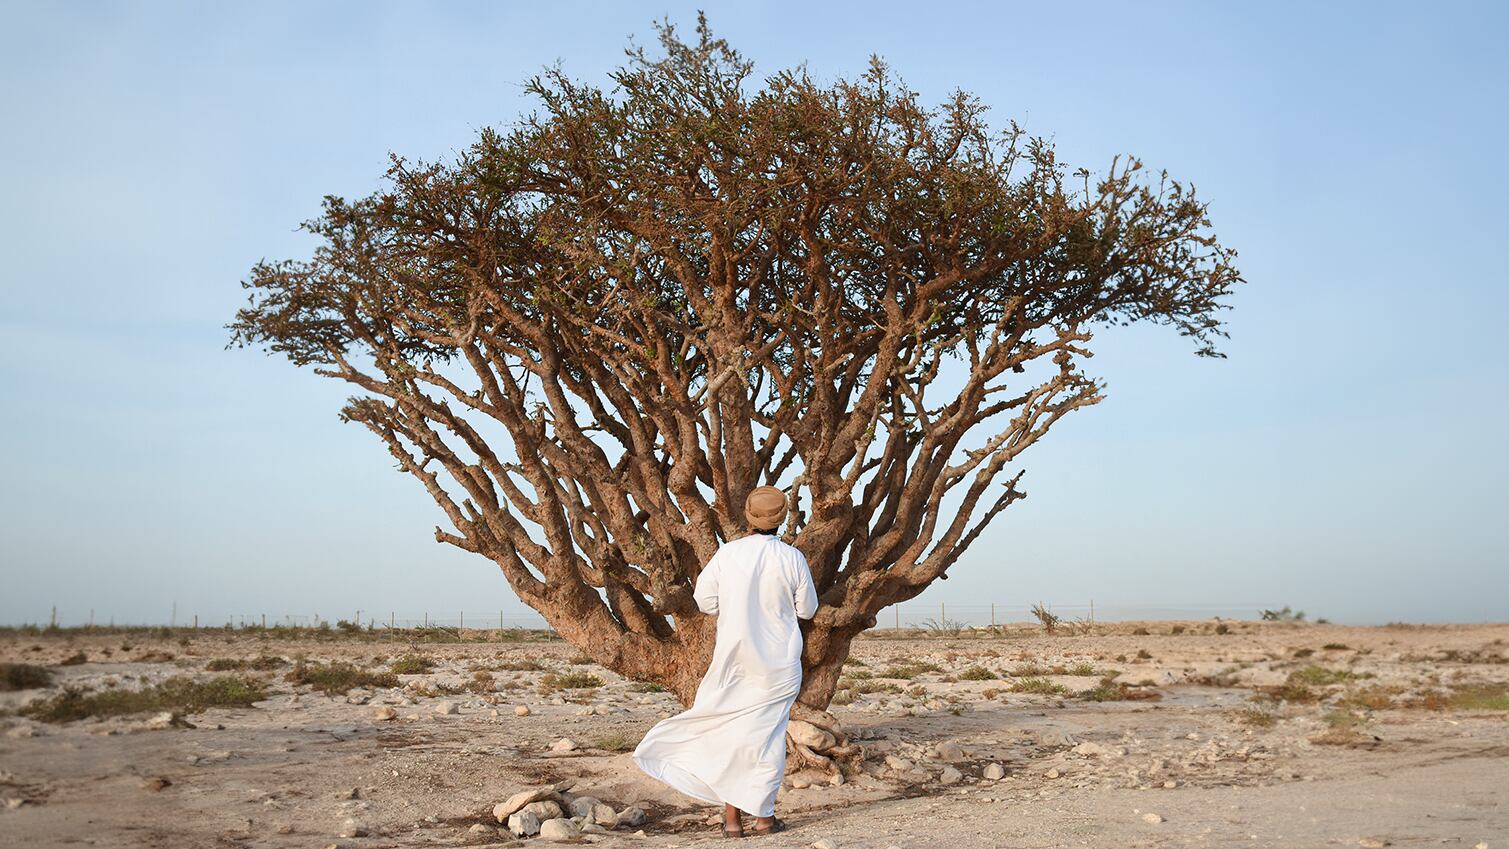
(352, 828)
(950, 776)
(446, 708)
(545, 810)
(994, 772)
(604, 816)
(559, 828)
(565, 744)
(523, 824)
(521, 710)
(950, 751)
(1152, 817)
(518, 800)
(824, 843)
(385, 714)
(632, 816)
(810, 735)
(581, 806)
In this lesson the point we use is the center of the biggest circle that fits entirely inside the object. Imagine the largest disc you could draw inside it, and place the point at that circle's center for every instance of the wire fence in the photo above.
(901, 616)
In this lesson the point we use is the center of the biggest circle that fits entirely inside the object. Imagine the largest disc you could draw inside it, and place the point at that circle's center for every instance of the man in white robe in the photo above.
(730, 746)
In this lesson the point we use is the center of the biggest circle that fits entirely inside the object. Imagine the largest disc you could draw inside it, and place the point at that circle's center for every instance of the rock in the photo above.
(604, 816)
(593, 828)
(517, 801)
(565, 744)
(602, 710)
(545, 810)
(1152, 817)
(1170, 784)
(799, 783)
(810, 735)
(631, 816)
(447, 708)
(13, 802)
(950, 751)
(352, 828)
(160, 721)
(581, 806)
(1372, 843)
(950, 776)
(898, 763)
(155, 784)
(521, 710)
(385, 714)
(1052, 773)
(523, 824)
(824, 843)
(994, 772)
(837, 779)
(357, 697)
(559, 828)
(480, 830)
(1094, 750)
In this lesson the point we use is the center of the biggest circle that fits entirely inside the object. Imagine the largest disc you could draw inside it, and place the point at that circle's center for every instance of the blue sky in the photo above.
(1347, 459)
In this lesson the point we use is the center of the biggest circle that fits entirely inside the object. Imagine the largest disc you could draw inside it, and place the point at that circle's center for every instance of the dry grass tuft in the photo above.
(337, 677)
(23, 676)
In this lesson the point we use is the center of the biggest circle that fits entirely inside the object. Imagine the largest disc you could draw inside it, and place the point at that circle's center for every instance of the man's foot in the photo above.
(768, 825)
(732, 827)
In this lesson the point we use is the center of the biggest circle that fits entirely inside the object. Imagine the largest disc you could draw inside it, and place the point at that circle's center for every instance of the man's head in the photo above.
(765, 508)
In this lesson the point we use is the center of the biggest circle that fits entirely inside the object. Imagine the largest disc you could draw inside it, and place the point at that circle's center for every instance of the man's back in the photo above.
(758, 586)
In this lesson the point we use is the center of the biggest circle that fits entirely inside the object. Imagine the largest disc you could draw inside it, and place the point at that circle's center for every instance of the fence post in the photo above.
(1092, 610)
(992, 614)
(264, 621)
(426, 619)
(500, 620)
(460, 622)
(196, 622)
(91, 617)
(898, 618)
(942, 614)
(54, 620)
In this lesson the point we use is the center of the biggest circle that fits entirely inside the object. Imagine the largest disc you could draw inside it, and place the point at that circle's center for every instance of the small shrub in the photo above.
(74, 659)
(1257, 717)
(337, 677)
(1048, 618)
(647, 687)
(522, 666)
(1283, 614)
(1303, 652)
(1139, 632)
(1029, 670)
(1083, 668)
(1290, 692)
(572, 681)
(1176, 630)
(1041, 686)
(1109, 690)
(412, 664)
(1144, 654)
(978, 673)
(1223, 628)
(261, 663)
(844, 697)
(1320, 676)
(1335, 647)
(908, 670)
(581, 660)
(179, 694)
(24, 676)
(616, 743)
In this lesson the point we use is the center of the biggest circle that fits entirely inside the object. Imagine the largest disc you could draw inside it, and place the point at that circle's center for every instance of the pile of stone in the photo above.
(555, 813)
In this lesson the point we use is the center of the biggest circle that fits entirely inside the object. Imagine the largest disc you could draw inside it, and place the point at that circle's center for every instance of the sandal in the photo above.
(776, 824)
(736, 831)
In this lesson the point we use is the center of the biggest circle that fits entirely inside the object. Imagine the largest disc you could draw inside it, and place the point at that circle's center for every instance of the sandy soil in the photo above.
(1381, 756)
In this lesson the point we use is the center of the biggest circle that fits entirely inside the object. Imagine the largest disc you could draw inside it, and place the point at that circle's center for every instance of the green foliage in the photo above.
(24, 676)
(978, 673)
(571, 681)
(338, 676)
(261, 663)
(1040, 686)
(179, 694)
(412, 664)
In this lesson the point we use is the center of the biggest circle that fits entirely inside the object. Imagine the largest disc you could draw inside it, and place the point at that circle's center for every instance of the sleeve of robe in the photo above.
(805, 595)
(706, 591)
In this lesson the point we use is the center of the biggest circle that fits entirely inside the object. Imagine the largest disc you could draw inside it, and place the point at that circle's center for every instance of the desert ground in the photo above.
(1131, 734)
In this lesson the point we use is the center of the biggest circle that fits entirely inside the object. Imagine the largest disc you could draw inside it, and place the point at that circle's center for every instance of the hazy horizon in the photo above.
(1347, 459)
